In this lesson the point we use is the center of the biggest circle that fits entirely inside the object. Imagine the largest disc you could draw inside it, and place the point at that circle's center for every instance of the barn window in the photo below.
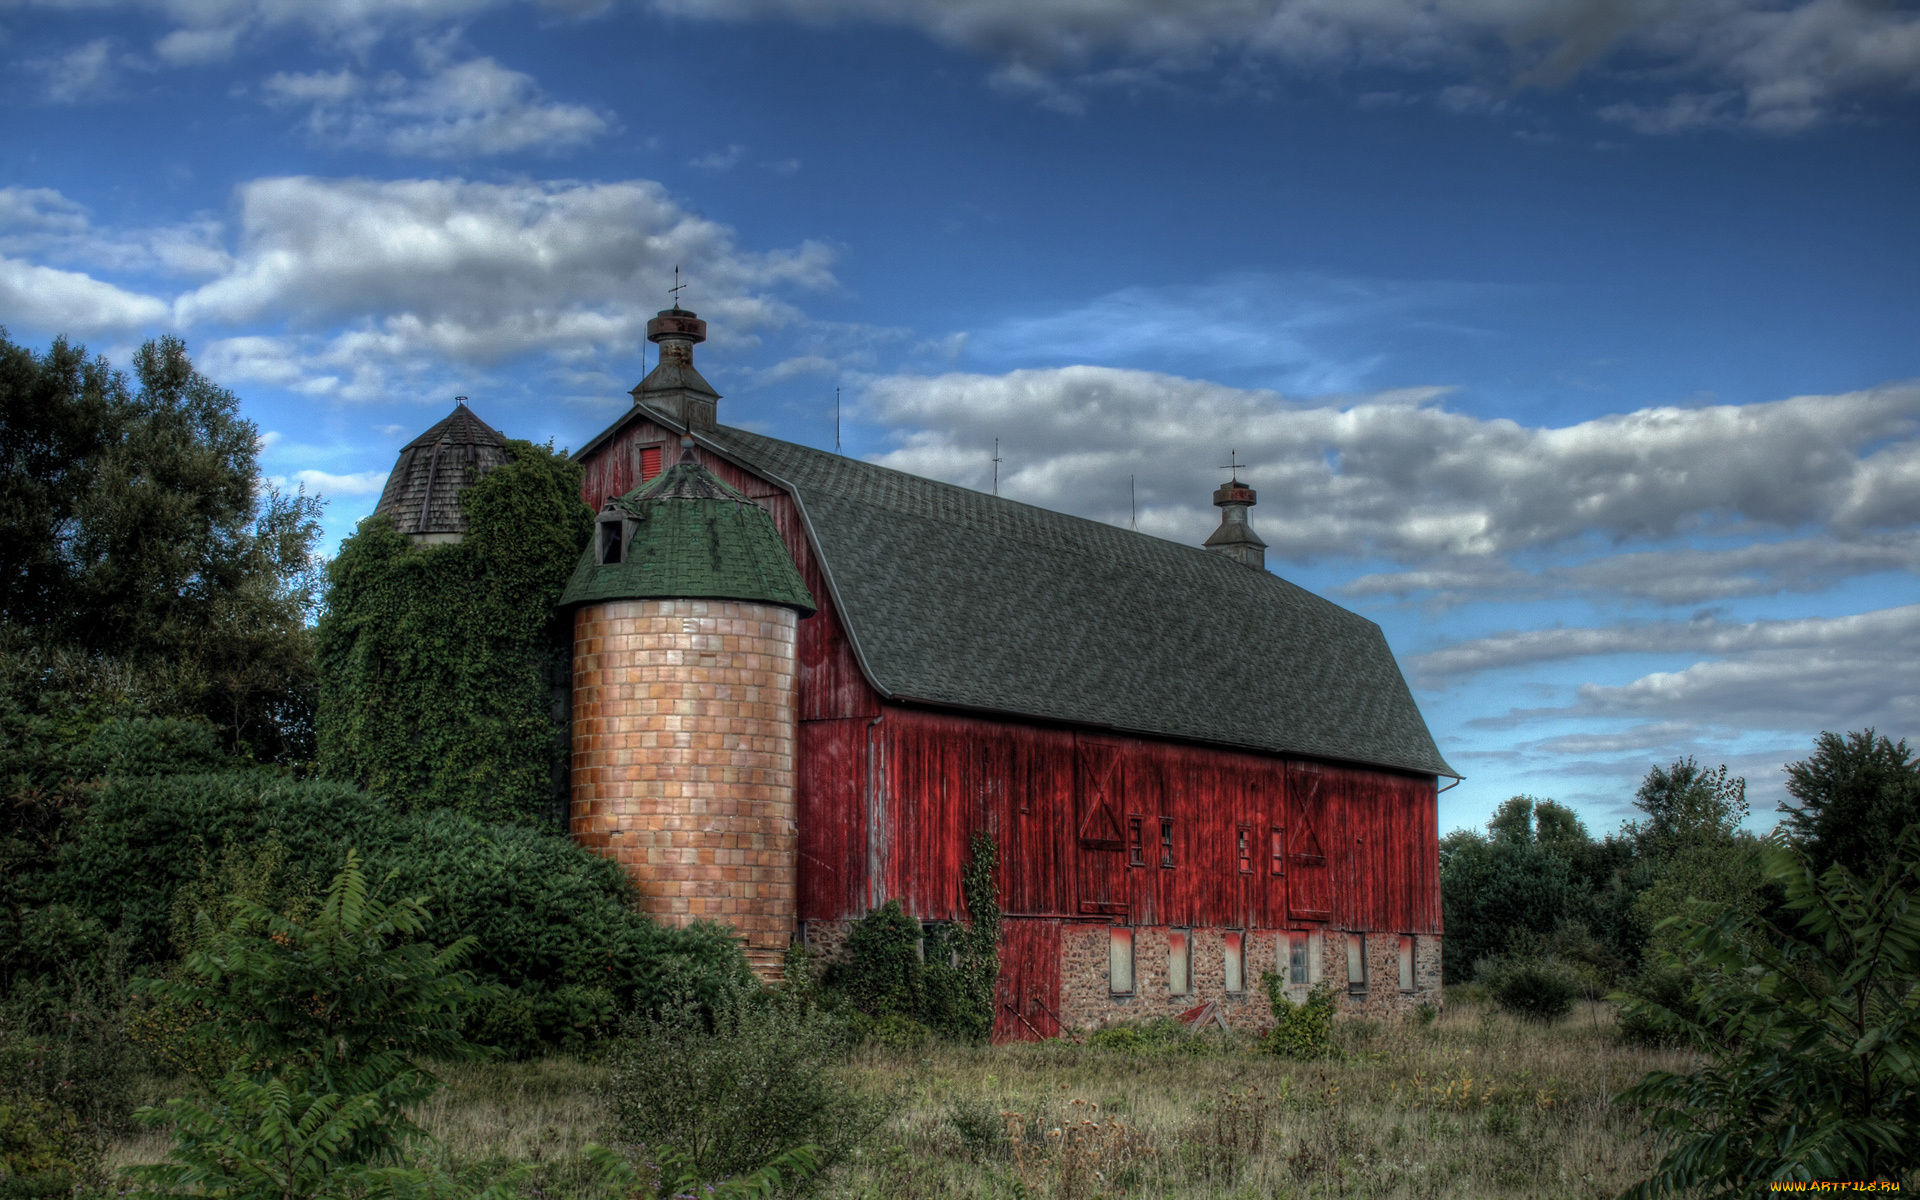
(649, 462)
(1406, 964)
(1233, 960)
(1179, 962)
(1166, 841)
(1357, 963)
(1243, 842)
(1277, 852)
(1136, 853)
(1119, 959)
(1299, 960)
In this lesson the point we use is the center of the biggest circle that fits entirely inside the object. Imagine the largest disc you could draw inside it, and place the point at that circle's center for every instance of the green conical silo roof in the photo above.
(694, 538)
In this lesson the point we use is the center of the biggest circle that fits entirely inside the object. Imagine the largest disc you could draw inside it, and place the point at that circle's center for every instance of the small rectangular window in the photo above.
(649, 462)
(1243, 843)
(1277, 851)
(1166, 841)
(1356, 962)
(612, 539)
(1136, 853)
(1179, 962)
(1234, 964)
(1406, 964)
(1119, 960)
(1297, 960)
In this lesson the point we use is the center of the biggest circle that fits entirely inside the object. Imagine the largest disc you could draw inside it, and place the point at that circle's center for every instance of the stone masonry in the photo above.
(683, 760)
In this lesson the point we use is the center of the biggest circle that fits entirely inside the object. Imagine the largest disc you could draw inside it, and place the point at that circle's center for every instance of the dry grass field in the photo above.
(1473, 1105)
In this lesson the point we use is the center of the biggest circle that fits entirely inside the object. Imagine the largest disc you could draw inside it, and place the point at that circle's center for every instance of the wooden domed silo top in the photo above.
(422, 496)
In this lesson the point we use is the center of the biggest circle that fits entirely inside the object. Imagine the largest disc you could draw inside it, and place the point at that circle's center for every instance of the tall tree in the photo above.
(1856, 795)
(134, 528)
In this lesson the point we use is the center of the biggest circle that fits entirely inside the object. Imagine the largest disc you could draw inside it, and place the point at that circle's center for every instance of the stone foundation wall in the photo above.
(683, 760)
(827, 940)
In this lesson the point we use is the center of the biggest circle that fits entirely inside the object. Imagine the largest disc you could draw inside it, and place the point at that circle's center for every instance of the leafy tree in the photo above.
(1686, 804)
(1855, 796)
(438, 664)
(135, 530)
(1492, 888)
(1811, 1032)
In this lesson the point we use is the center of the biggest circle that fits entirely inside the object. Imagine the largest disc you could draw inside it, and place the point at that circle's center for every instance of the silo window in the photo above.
(613, 540)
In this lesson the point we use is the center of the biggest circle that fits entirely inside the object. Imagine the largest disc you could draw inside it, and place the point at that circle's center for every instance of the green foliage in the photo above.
(669, 1176)
(940, 977)
(1490, 887)
(556, 926)
(1687, 805)
(1302, 1030)
(1531, 988)
(731, 1089)
(1811, 1032)
(143, 537)
(1661, 985)
(326, 1022)
(1855, 796)
(438, 664)
(1159, 1035)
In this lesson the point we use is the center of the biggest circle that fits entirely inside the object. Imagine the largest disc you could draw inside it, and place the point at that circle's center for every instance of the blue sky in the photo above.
(1574, 342)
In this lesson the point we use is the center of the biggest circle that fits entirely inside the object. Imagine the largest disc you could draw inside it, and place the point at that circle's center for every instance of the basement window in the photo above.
(1179, 962)
(1233, 945)
(1299, 960)
(1136, 853)
(1243, 843)
(1166, 841)
(1406, 964)
(1119, 960)
(1357, 963)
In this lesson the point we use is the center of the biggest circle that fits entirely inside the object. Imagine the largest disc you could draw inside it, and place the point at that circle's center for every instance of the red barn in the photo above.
(1195, 771)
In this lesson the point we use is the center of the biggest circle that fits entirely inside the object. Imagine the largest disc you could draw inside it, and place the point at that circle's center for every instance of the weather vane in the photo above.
(674, 291)
(1233, 464)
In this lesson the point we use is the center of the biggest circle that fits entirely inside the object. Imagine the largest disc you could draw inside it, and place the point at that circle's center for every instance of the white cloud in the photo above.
(56, 301)
(720, 160)
(358, 483)
(1774, 67)
(1398, 475)
(458, 110)
(84, 73)
(44, 224)
(1683, 576)
(1707, 635)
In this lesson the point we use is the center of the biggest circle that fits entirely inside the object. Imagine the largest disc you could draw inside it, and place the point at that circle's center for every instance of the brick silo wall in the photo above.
(683, 759)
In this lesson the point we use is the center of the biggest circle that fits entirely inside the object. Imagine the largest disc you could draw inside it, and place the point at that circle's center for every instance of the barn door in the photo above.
(1027, 994)
(1309, 886)
(1100, 846)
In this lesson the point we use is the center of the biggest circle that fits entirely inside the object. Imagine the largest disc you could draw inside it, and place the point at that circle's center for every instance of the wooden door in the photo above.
(1309, 885)
(1100, 843)
(1027, 994)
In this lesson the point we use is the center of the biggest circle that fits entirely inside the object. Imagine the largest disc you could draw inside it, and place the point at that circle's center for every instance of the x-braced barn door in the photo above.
(1099, 845)
(1027, 996)
(1309, 887)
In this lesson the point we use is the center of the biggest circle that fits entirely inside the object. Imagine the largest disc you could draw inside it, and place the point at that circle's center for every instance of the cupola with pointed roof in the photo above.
(422, 496)
(674, 387)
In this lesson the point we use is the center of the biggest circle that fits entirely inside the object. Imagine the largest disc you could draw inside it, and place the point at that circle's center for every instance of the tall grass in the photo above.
(1476, 1104)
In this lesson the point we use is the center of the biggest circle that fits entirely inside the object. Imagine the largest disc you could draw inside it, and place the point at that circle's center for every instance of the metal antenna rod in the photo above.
(1133, 504)
(836, 420)
(996, 466)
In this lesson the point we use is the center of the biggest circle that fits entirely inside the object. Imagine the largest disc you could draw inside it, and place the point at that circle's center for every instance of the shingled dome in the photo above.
(686, 535)
(422, 495)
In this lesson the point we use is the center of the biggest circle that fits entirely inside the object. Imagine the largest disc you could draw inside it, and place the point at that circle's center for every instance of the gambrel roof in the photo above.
(957, 598)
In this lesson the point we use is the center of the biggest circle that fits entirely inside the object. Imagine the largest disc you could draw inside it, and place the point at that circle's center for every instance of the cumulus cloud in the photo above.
(464, 109)
(43, 224)
(1683, 576)
(1773, 67)
(323, 483)
(55, 301)
(86, 72)
(1397, 474)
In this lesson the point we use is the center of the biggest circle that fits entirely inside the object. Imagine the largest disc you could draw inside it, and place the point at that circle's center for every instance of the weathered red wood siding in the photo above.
(887, 808)
(1027, 998)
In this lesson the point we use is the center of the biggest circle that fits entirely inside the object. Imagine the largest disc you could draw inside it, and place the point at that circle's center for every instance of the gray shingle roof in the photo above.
(958, 598)
(422, 495)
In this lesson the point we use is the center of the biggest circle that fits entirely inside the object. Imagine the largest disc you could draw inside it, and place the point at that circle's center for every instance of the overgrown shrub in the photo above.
(732, 1089)
(1811, 1034)
(1661, 986)
(940, 977)
(1533, 989)
(1158, 1035)
(1300, 1030)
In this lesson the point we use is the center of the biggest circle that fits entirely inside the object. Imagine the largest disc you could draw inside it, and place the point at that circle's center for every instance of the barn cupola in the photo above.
(1235, 538)
(422, 496)
(674, 387)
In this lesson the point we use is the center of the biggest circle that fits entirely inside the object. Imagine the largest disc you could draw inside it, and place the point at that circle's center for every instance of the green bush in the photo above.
(733, 1089)
(1533, 989)
(1810, 1031)
(1158, 1035)
(1300, 1030)
(1661, 986)
(556, 926)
